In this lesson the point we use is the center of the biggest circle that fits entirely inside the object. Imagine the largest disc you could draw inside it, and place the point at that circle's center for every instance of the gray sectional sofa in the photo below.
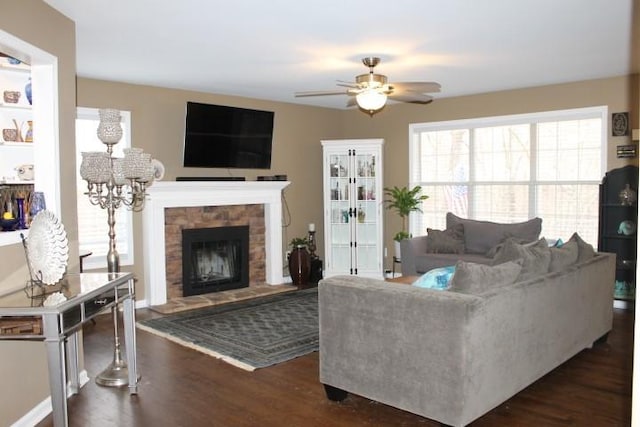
(452, 356)
(463, 239)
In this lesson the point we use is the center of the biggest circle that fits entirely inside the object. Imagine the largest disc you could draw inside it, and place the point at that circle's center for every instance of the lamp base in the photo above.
(115, 375)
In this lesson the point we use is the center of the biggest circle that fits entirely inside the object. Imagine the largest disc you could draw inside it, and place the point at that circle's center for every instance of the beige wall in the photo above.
(157, 116)
(392, 124)
(22, 364)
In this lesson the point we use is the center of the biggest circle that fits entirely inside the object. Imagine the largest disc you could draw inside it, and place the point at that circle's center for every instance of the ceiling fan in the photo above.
(371, 91)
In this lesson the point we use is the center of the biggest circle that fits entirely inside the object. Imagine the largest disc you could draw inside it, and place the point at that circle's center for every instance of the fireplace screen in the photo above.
(214, 259)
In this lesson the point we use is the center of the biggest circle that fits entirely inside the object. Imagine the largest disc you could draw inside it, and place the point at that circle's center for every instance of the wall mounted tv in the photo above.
(218, 136)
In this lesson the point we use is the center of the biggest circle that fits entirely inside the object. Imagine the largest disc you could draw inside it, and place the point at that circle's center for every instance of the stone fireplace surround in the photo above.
(165, 195)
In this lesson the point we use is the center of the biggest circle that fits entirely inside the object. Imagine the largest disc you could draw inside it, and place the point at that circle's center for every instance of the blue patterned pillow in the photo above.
(438, 278)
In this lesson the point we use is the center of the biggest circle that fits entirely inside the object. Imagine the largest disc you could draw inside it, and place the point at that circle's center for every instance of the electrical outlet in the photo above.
(385, 251)
(287, 254)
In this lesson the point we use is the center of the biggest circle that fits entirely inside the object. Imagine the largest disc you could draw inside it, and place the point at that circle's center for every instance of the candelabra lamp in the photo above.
(114, 182)
(312, 244)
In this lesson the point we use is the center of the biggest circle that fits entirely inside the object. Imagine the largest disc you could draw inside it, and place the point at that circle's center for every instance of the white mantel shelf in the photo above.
(162, 195)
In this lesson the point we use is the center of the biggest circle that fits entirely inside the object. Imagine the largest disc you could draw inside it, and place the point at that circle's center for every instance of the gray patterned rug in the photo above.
(249, 334)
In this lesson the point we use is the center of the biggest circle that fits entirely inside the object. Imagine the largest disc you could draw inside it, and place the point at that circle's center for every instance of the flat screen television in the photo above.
(218, 136)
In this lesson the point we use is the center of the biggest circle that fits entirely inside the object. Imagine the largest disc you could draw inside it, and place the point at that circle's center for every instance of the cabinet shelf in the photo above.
(18, 68)
(618, 205)
(9, 106)
(619, 236)
(16, 144)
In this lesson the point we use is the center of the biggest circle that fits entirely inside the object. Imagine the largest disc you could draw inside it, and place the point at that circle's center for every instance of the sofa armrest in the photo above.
(409, 248)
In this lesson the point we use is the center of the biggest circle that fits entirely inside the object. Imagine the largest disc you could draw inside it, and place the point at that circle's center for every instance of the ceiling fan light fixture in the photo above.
(371, 100)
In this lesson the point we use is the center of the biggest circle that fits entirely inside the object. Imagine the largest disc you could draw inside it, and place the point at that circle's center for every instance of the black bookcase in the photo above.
(617, 228)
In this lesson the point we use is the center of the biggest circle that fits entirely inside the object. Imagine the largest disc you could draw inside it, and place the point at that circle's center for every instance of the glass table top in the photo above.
(73, 287)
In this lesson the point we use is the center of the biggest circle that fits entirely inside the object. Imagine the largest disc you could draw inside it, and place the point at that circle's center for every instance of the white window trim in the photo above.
(95, 262)
(532, 118)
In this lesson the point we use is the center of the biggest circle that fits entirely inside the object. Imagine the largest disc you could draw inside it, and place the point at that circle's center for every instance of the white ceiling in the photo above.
(271, 49)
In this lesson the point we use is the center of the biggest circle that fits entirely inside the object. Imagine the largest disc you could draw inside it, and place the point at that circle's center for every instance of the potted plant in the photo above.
(404, 201)
(299, 262)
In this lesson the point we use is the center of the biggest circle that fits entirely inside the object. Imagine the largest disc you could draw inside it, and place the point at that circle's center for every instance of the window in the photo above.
(92, 220)
(512, 168)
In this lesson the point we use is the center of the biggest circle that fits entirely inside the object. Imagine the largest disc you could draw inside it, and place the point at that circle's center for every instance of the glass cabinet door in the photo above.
(366, 205)
(340, 211)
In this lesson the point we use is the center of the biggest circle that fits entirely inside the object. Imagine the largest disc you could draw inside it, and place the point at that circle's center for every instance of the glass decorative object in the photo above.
(38, 204)
(109, 130)
(628, 196)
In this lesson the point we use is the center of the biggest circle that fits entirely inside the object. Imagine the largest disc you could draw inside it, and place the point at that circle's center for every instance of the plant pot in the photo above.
(300, 266)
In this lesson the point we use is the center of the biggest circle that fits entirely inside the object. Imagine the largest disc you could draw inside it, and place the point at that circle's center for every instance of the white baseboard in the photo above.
(44, 408)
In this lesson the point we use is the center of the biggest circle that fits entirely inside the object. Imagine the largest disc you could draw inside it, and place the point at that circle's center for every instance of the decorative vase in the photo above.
(38, 204)
(300, 266)
(28, 136)
(27, 91)
(628, 196)
(22, 220)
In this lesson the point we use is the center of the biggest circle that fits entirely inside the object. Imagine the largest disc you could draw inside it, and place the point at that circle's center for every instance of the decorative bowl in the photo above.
(8, 224)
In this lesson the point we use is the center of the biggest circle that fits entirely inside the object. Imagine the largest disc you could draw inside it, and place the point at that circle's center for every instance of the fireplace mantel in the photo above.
(163, 195)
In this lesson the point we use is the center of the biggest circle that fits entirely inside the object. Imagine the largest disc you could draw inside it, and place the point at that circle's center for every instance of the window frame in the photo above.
(531, 119)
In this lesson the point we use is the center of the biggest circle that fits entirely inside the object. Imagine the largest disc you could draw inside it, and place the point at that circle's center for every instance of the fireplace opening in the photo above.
(214, 259)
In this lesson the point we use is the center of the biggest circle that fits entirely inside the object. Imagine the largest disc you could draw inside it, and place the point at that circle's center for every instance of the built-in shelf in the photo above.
(17, 182)
(11, 237)
(17, 144)
(21, 68)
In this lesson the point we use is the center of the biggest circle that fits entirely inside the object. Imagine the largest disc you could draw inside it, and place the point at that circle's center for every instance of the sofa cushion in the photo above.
(585, 250)
(481, 236)
(472, 278)
(536, 257)
(449, 241)
(563, 256)
(438, 278)
(427, 262)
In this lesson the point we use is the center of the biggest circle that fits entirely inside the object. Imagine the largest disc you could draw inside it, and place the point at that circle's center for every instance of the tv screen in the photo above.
(218, 136)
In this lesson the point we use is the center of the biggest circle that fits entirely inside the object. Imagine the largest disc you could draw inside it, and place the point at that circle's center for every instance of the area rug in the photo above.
(249, 334)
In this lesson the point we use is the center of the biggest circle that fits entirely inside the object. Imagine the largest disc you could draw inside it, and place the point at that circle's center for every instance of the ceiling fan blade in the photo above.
(346, 84)
(320, 93)
(411, 98)
(421, 87)
(352, 102)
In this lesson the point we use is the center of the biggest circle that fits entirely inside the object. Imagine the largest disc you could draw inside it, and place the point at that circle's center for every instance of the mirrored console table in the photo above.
(23, 316)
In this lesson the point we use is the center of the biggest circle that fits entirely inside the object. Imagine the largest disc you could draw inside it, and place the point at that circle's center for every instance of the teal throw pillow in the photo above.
(438, 278)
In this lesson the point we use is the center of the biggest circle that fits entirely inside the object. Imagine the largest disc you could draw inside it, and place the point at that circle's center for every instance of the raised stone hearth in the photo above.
(172, 206)
(176, 305)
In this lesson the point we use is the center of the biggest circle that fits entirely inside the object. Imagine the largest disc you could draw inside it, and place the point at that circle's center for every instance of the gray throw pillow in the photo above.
(481, 236)
(585, 250)
(563, 256)
(536, 257)
(472, 278)
(449, 241)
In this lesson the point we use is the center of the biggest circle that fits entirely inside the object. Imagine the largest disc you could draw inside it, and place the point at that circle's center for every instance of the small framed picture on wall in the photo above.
(620, 124)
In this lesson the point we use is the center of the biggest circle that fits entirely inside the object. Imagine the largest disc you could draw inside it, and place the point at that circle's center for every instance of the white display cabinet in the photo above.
(352, 177)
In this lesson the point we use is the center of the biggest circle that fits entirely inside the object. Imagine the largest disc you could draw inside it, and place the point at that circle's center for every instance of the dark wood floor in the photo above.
(181, 387)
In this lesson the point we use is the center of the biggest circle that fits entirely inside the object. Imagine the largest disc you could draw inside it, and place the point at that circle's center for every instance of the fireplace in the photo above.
(214, 259)
(168, 210)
